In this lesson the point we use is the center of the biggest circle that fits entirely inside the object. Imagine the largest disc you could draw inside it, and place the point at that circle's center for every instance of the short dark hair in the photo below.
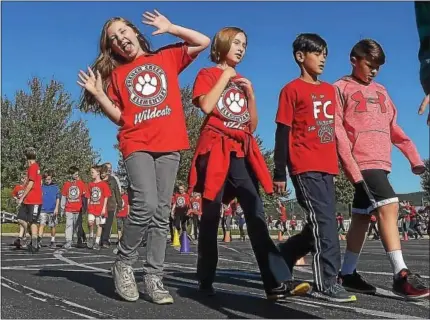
(309, 42)
(368, 49)
(48, 173)
(30, 153)
(73, 169)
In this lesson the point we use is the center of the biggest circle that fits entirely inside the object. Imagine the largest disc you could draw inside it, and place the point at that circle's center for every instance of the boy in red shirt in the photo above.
(306, 143)
(195, 212)
(98, 195)
(122, 213)
(17, 193)
(71, 203)
(139, 90)
(369, 115)
(180, 208)
(31, 201)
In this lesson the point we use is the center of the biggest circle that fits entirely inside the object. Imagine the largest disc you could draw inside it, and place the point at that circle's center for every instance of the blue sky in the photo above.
(56, 39)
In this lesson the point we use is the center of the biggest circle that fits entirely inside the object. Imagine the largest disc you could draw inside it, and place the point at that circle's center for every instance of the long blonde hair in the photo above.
(107, 61)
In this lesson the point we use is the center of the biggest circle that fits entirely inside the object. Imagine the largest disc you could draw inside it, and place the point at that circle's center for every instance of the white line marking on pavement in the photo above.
(37, 298)
(42, 269)
(63, 302)
(38, 259)
(80, 314)
(381, 314)
(50, 265)
(358, 310)
(228, 248)
(45, 253)
(9, 287)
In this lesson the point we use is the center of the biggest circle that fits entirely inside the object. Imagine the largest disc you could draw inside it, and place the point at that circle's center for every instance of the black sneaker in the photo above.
(17, 243)
(335, 293)
(32, 249)
(410, 286)
(355, 283)
(207, 290)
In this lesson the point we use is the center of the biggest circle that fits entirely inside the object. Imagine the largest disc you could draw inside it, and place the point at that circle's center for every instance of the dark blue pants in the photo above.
(315, 193)
(241, 180)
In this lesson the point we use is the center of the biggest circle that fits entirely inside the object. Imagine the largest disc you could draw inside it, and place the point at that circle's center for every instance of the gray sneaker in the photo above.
(153, 290)
(68, 245)
(335, 293)
(90, 243)
(125, 284)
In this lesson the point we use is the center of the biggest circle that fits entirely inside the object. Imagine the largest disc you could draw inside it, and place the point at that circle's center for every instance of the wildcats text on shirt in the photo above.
(151, 114)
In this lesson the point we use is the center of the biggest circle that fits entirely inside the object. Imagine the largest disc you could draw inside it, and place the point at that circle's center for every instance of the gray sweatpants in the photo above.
(71, 225)
(152, 178)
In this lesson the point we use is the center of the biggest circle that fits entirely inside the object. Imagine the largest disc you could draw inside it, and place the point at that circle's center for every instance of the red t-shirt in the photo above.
(196, 206)
(309, 109)
(182, 202)
(98, 192)
(232, 106)
(73, 191)
(339, 219)
(148, 94)
(283, 215)
(233, 205)
(124, 211)
(228, 211)
(293, 223)
(35, 195)
(18, 191)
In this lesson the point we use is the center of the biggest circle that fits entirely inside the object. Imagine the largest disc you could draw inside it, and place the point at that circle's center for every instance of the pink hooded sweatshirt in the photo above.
(369, 118)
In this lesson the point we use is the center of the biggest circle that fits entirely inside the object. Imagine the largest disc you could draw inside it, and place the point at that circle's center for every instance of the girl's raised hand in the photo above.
(90, 82)
(157, 20)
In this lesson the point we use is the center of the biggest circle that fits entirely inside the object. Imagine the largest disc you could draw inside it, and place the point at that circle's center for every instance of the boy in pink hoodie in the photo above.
(369, 118)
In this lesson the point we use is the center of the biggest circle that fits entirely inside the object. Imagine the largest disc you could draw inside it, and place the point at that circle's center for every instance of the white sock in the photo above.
(53, 239)
(97, 240)
(92, 234)
(396, 260)
(349, 262)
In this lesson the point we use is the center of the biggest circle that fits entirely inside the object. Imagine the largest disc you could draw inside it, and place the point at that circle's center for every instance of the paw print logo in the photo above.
(96, 194)
(235, 102)
(146, 84)
(180, 202)
(73, 193)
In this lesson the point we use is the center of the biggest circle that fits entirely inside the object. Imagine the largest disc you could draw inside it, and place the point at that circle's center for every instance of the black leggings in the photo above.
(240, 180)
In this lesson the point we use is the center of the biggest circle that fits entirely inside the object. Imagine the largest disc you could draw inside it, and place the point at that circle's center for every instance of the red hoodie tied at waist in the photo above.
(218, 141)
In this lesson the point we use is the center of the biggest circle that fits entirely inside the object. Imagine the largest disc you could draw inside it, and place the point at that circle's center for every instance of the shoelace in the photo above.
(416, 281)
(336, 288)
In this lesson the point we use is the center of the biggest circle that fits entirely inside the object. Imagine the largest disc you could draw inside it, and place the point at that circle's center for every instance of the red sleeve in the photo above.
(202, 85)
(32, 172)
(113, 92)
(179, 54)
(402, 141)
(65, 188)
(15, 191)
(286, 106)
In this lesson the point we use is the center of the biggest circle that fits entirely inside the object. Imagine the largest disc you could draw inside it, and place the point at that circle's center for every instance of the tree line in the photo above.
(45, 117)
